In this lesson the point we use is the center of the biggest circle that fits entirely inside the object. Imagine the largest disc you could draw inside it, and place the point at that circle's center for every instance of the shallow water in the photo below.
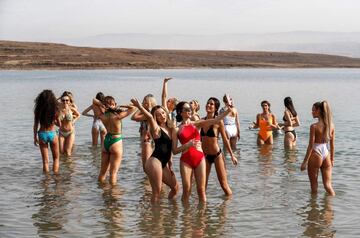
(271, 195)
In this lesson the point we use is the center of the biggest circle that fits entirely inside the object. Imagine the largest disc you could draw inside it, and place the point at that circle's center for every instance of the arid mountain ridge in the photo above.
(34, 55)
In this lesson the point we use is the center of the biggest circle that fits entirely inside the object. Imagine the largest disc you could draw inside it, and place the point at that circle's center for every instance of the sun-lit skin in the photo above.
(210, 146)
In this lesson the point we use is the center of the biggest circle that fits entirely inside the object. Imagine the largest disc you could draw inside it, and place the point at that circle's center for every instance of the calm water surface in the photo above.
(271, 195)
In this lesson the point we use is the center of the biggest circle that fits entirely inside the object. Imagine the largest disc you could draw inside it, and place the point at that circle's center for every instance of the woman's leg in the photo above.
(61, 144)
(200, 177)
(208, 169)
(44, 155)
(186, 173)
(115, 161)
(105, 162)
(313, 167)
(326, 170)
(222, 175)
(260, 141)
(146, 150)
(289, 140)
(55, 153)
(270, 140)
(69, 144)
(170, 180)
(154, 171)
(233, 141)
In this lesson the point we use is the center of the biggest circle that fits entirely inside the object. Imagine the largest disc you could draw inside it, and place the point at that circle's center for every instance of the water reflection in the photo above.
(51, 216)
(318, 218)
(265, 160)
(290, 158)
(112, 211)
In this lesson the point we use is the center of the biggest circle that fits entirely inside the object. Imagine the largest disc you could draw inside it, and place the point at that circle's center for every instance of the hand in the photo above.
(135, 102)
(238, 135)
(234, 160)
(36, 141)
(167, 79)
(332, 162)
(195, 143)
(303, 166)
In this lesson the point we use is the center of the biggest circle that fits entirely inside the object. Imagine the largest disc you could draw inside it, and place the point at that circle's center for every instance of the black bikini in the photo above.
(162, 149)
(293, 131)
(210, 133)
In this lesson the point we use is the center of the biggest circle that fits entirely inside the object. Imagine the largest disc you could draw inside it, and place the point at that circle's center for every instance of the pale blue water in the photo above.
(271, 196)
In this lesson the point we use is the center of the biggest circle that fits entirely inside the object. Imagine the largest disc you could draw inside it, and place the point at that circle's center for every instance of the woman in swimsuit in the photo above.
(231, 122)
(291, 120)
(97, 127)
(317, 155)
(46, 115)
(159, 166)
(266, 121)
(192, 157)
(195, 107)
(68, 115)
(112, 149)
(145, 140)
(210, 146)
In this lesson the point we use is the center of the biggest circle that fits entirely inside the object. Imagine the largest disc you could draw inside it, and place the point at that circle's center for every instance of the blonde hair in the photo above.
(151, 99)
(197, 105)
(326, 116)
(169, 122)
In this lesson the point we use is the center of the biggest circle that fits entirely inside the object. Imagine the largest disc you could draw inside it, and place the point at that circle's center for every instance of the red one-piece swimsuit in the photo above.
(192, 156)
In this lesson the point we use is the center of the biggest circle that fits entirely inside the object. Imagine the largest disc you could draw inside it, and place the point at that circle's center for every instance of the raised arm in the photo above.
(130, 109)
(86, 111)
(164, 94)
(75, 113)
(154, 128)
(309, 148)
(227, 143)
(97, 107)
(138, 116)
(208, 122)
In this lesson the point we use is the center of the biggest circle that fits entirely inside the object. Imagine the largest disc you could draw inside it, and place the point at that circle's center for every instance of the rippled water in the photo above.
(271, 196)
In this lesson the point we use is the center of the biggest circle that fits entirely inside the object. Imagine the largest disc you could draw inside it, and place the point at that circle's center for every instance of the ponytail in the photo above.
(327, 117)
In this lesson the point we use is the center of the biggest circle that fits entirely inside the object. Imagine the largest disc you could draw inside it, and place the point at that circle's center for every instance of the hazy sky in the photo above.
(48, 20)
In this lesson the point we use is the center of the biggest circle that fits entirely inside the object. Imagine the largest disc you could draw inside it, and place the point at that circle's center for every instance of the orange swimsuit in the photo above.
(265, 129)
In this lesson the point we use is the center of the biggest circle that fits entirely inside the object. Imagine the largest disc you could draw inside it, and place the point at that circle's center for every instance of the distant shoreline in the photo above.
(50, 56)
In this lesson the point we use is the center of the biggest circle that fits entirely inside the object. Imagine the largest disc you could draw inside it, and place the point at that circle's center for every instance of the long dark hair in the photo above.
(179, 108)
(46, 107)
(100, 96)
(290, 106)
(217, 105)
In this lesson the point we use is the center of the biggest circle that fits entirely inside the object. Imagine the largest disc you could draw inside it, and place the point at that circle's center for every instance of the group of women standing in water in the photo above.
(172, 122)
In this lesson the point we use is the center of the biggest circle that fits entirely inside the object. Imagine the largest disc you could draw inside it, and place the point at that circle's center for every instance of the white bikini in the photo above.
(321, 149)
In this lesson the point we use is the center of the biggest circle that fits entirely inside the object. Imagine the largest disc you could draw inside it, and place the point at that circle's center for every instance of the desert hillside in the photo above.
(31, 55)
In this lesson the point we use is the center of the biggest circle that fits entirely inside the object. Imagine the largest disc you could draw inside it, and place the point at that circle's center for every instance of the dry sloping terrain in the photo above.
(31, 55)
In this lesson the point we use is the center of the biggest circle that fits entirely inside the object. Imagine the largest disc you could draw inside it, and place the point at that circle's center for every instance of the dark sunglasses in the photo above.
(65, 100)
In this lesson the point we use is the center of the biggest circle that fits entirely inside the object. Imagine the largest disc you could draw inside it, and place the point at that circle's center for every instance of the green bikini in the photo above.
(109, 140)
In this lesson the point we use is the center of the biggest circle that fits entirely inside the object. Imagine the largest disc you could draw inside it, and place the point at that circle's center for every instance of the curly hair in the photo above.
(46, 108)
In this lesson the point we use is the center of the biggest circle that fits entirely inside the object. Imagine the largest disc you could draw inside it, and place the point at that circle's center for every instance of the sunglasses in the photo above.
(65, 100)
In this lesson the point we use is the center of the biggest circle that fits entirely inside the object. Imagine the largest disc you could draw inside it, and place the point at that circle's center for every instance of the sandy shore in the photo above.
(32, 55)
